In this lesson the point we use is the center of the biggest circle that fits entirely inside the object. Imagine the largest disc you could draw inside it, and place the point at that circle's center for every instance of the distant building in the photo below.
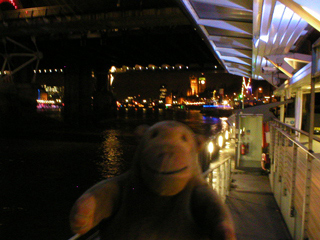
(169, 99)
(193, 86)
(174, 98)
(197, 85)
(202, 83)
(163, 93)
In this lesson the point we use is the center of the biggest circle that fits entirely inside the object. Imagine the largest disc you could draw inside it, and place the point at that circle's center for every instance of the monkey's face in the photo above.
(168, 157)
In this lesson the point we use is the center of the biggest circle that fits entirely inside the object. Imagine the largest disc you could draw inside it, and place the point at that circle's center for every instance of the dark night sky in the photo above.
(130, 48)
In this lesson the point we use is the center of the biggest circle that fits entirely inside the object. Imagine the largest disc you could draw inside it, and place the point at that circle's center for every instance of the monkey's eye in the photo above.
(154, 133)
(184, 138)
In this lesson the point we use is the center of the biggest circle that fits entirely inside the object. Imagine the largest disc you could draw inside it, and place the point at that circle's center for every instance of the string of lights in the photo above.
(114, 69)
(12, 2)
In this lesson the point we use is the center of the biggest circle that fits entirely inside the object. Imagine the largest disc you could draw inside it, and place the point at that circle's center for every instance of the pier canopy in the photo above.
(263, 40)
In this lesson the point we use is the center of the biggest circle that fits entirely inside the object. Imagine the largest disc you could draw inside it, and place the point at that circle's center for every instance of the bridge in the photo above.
(123, 28)
(274, 40)
(86, 38)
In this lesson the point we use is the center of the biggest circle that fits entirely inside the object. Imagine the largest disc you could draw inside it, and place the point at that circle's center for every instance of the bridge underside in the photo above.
(115, 32)
(92, 36)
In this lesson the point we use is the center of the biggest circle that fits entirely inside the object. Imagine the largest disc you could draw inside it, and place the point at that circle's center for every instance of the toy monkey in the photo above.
(163, 195)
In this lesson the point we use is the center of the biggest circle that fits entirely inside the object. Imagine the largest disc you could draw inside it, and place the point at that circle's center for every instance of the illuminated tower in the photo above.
(163, 93)
(202, 83)
(193, 85)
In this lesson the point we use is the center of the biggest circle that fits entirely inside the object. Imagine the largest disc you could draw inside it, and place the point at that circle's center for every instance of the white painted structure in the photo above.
(276, 41)
(262, 40)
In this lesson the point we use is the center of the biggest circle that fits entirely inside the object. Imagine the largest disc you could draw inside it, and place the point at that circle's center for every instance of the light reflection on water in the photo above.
(112, 159)
(118, 145)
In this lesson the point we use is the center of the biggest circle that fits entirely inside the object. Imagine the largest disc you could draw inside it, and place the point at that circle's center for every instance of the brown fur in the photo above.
(163, 196)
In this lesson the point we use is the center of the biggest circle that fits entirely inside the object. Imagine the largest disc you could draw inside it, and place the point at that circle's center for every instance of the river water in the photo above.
(43, 171)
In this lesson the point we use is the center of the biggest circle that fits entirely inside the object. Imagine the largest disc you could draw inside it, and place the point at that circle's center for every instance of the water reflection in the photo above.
(112, 154)
(117, 150)
(205, 125)
(118, 145)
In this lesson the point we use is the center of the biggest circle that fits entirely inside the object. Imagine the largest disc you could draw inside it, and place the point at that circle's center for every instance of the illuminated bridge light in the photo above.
(150, 67)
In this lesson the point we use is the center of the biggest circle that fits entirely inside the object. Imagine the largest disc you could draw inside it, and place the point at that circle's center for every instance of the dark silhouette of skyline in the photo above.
(147, 84)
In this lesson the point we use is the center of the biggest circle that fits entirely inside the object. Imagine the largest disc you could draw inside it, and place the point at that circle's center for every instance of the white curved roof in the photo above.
(254, 38)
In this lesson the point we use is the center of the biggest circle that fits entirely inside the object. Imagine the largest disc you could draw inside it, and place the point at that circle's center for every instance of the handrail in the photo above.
(219, 177)
(294, 178)
(216, 165)
(295, 129)
(93, 234)
(75, 237)
(299, 144)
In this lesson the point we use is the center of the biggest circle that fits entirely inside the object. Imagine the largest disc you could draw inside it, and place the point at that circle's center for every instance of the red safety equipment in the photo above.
(265, 131)
(243, 149)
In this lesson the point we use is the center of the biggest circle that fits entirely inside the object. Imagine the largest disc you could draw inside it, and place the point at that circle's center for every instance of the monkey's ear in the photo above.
(200, 141)
(140, 130)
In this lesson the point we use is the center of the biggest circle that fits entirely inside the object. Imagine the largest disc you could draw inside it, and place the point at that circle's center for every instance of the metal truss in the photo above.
(7, 70)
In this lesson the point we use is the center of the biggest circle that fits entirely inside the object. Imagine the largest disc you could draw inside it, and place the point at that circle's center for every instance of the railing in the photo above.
(219, 177)
(295, 180)
(92, 235)
(217, 174)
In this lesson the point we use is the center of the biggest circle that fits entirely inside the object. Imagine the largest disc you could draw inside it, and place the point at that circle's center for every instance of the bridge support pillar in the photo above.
(104, 103)
(79, 87)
